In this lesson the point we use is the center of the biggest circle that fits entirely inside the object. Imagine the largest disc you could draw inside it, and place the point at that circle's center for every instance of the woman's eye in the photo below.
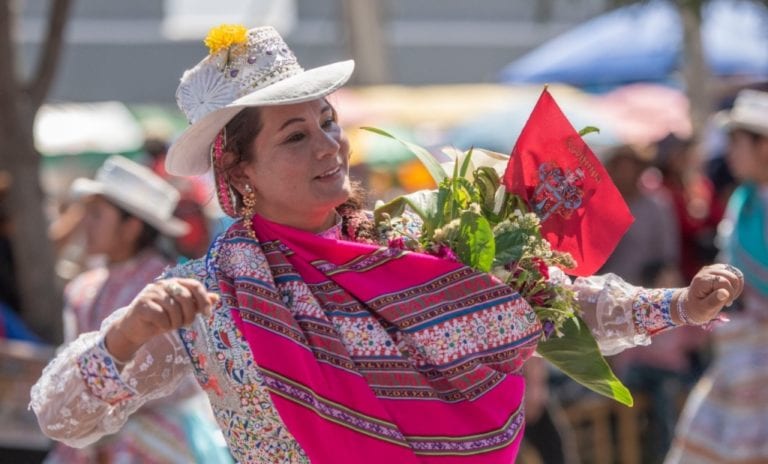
(328, 123)
(295, 137)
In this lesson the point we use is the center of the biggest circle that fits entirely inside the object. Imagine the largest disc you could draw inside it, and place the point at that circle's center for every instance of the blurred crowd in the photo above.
(684, 193)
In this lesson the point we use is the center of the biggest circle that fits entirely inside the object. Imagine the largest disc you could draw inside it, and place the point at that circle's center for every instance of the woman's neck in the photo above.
(124, 255)
(315, 223)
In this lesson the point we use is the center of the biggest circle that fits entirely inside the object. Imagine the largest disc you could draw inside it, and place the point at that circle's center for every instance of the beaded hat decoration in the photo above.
(244, 68)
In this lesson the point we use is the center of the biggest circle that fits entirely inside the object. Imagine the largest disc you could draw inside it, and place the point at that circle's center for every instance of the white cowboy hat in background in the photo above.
(137, 190)
(749, 112)
(244, 68)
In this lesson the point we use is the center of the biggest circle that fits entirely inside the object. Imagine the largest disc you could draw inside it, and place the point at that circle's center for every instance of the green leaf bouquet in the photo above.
(471, 218)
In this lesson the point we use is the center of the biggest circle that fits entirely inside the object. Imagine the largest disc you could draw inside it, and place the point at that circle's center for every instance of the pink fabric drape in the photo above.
(378, 355)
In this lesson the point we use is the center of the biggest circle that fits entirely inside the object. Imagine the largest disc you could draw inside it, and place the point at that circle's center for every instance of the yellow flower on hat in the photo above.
(225, 36)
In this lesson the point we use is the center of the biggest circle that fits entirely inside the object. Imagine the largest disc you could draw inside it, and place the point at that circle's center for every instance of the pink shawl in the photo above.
(379, 355)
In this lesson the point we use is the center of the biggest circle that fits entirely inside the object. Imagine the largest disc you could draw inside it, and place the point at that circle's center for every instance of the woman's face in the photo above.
(742, 157)
(625, 172)
(106, 231)
(299, 164)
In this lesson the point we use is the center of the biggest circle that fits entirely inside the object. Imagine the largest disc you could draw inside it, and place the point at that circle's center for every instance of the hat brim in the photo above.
(726, 120)
(172, 227)
(189, 154)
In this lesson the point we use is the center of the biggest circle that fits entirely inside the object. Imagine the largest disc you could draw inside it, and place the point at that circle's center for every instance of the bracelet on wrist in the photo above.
(682, 313)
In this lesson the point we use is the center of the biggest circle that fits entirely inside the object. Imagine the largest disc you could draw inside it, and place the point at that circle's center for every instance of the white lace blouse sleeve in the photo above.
(83, 395)
(620, 315)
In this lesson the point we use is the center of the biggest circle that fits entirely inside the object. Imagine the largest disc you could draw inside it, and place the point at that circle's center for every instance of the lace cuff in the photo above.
(621, 315)
(650, 310)
(101, 375)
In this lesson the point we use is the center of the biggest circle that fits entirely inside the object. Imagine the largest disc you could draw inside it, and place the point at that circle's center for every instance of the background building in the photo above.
(135, 51)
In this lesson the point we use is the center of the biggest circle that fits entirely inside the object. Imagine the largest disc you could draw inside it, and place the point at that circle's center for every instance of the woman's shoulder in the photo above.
(191, 269)
(234, 246)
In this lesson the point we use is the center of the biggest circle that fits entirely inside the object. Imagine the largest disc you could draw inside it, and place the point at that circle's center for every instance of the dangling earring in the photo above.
(249, 209)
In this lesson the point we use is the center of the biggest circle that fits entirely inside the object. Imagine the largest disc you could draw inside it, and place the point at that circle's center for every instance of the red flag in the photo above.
(560, 179)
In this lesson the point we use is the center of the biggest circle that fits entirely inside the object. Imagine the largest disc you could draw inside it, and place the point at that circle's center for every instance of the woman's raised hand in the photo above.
(160, 307)
(712, 288)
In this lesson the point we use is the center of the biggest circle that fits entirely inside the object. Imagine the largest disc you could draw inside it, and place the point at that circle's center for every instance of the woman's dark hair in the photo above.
(148, 236)
(670, 147)
(243, 129)
(240, 132)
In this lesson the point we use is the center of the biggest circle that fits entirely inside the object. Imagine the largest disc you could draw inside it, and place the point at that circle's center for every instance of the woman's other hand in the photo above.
(712, 288)
(160, 307)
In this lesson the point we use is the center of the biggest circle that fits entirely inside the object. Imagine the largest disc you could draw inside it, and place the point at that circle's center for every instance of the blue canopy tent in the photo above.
(643, 43)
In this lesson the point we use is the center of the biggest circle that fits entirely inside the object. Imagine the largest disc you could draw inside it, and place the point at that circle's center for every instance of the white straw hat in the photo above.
(749, 112)
(137, 190)
(244, 68)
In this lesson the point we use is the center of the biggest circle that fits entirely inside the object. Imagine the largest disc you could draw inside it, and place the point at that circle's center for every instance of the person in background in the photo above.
(654, 236)
(13, 328)
(11, 325)
(663, 371)
(127, 209)
(195, 193)
(548, 437)
(725, 419)
(649, 255)
(8, 289)
(697, 207)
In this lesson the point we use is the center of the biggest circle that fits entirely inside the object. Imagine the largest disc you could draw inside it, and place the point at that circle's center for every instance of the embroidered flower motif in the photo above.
(287, 298)
(225, 36)
(204, 91)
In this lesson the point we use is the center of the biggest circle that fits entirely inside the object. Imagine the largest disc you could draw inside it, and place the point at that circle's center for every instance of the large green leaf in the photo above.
(426, 158)
(509, 246)
(577, 355)
(421, 202)
(476, 247)
(444, 196)
(465, 164)
(463, 196)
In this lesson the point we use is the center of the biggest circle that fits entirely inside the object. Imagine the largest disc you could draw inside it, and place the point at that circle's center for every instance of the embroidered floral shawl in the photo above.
(379, 355)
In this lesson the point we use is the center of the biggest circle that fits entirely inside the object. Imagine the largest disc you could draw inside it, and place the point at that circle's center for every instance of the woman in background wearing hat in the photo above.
(312, 342)
(127, 209)
(725, 419)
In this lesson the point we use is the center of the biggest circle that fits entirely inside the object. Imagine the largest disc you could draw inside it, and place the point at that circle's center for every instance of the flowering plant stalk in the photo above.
(472, 219)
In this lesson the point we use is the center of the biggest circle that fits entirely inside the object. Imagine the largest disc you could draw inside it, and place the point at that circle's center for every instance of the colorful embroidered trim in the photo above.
(651, 310)
(389, 432)
(102, 377)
